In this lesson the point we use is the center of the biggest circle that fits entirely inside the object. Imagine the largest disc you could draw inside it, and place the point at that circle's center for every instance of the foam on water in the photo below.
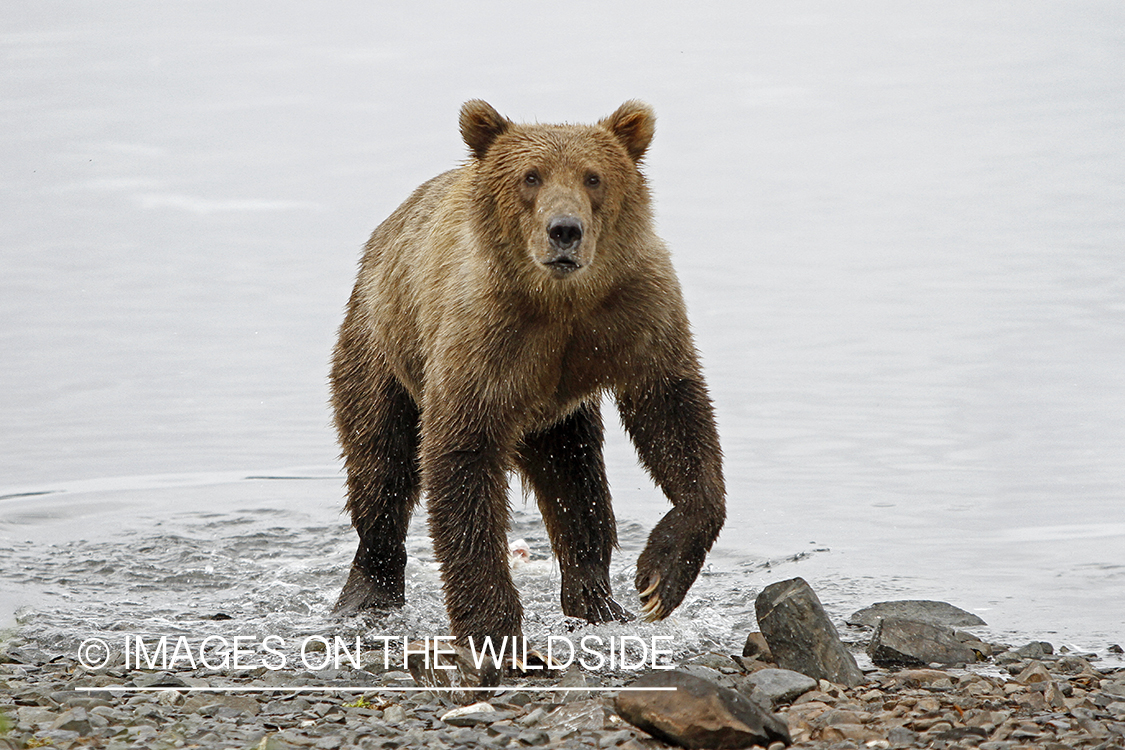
(239, 559)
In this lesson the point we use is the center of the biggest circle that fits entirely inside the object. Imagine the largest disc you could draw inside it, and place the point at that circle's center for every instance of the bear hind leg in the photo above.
(564, 466)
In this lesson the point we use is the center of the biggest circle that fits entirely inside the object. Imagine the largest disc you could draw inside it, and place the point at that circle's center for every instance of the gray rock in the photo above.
(57, 737)
(158, 679)
(910, 643)
(1035, 650)
(902, 737)
(779, 685)
(576, 678)
(33, 716)
(713, 675)
(579, 715)
(74, 720)
(934, 613)
(534, 717)
(477, 713)
(394, 714)
(801, 636)
(1115, 688)
(23, 655)
(756, 647)
(719, 662)
(533, 737)
(613, 739)
(698, 714)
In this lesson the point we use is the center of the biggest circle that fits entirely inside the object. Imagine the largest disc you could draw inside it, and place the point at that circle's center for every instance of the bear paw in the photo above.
(666, 570)
(604, 610)
(593, 603)
(362, 594)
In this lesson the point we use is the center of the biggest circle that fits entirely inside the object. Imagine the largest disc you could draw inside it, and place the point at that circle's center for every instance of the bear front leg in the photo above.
(564, 465)
(377, 422)
(672, 426)
(464, 471)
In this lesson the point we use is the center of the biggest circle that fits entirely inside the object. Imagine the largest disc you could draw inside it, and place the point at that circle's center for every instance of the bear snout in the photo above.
(564, 237)
(564, 233)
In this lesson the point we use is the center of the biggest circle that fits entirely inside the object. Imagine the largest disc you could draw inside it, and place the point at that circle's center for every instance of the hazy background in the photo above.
(899, 229)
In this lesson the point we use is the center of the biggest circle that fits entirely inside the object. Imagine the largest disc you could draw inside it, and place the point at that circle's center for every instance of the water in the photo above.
(899, 231)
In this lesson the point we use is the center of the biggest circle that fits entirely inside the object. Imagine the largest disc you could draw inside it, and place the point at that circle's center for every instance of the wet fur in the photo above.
(465, 355)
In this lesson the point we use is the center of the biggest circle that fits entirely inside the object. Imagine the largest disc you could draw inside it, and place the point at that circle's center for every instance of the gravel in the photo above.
(1022, 698)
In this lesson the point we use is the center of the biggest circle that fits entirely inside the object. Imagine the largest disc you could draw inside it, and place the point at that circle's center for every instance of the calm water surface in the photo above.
(899, 229)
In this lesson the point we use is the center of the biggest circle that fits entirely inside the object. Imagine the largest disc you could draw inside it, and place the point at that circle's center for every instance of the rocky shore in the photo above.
(1030, 696)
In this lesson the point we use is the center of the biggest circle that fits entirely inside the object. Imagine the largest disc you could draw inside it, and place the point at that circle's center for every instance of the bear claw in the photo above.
(652, 608)
(652, 586)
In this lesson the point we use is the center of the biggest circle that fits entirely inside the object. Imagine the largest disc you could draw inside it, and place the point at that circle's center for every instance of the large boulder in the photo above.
(910, 643)
(698, 713)
(801, 636)
(919, 610)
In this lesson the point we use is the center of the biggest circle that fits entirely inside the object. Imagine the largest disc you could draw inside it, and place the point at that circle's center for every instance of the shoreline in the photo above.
(1028, 697)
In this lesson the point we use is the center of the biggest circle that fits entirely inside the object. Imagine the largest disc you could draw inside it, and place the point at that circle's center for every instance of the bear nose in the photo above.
(565, 232)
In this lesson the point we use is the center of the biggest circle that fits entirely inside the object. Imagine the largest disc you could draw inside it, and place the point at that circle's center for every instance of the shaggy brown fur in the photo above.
(493, 310)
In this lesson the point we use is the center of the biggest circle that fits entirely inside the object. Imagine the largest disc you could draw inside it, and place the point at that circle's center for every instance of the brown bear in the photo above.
(492, 312)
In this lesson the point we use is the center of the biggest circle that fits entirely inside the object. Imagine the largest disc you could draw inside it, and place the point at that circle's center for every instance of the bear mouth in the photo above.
(563, 266)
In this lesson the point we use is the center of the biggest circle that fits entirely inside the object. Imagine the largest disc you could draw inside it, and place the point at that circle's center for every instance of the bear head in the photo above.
(554, 194)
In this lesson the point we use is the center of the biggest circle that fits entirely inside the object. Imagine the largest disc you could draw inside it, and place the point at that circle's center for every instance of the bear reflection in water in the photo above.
(492, 312)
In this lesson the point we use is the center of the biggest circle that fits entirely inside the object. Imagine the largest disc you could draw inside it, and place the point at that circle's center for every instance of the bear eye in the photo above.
(592, 180)
(531, 179)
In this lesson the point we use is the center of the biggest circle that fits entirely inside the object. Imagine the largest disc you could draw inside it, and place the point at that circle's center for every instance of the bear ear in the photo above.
(633, 123)
(480, 126)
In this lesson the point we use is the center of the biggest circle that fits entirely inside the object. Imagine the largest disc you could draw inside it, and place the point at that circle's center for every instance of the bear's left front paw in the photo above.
(594, 604)
(665, 572)
(608, 610)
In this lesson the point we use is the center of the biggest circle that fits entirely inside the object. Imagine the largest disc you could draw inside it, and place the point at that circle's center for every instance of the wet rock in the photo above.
(579, 715)
(711, 675)
(934, 613)
(756, 647)
(911, 643)
(1034, 672)
(477, 713)
(532, 718)
(801, 636)
(74, 720)
(903, 737)
(775, 686)
(576, 678)
(1034, 650)
(33, 716)
(533, 737)
(698, 714)
(718, 662)
(158, 679)
(981, 649)
(443, 665)
(395, 714)
(23, 655)
(1073, 665)
(1114, 687)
